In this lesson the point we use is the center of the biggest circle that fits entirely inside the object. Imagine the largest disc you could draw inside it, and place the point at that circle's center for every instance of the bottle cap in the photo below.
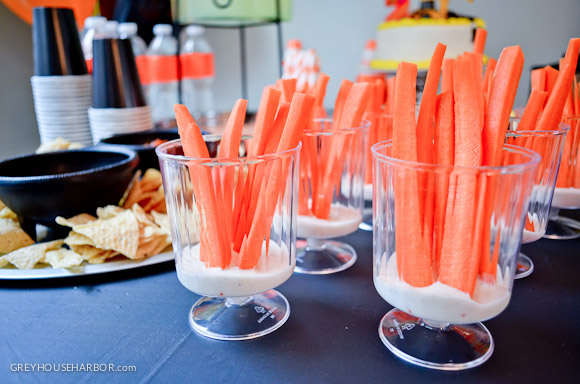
(194, 30)
(162, 29)
(94, 21)
(128, 29)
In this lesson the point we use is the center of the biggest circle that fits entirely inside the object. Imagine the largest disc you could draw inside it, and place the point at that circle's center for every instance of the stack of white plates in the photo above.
(107, 122)
(61, 104)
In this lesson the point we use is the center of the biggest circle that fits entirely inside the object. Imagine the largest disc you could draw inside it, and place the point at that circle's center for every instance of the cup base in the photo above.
(435, 346)
(562, 228)
(322, 257)
(524, 266)
(239, 318)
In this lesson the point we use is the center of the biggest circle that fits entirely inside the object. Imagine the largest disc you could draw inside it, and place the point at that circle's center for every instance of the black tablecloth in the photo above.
(139, 318)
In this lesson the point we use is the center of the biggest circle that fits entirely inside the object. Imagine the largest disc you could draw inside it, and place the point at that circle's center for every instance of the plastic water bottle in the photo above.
(197, 73)
(87, 36)
(129, 31)
(162, 92)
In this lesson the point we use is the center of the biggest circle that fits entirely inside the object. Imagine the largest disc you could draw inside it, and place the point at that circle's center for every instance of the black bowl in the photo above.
(39, 187)
(140, 142)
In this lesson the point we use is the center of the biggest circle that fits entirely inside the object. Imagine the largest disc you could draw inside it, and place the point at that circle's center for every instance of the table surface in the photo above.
(139, 318)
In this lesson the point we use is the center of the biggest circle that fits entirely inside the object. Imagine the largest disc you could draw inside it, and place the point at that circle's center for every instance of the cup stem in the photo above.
(436, 325)
(237, 301)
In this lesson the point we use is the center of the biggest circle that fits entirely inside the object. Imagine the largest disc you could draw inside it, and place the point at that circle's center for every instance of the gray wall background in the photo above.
(336, 29)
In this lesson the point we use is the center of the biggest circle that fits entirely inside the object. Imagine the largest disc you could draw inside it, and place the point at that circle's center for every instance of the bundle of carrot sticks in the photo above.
(321, 164)
(544, 82)
(443, 223)
(237, 203)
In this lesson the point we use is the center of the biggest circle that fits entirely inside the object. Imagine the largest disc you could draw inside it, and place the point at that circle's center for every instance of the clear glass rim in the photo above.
(571, 117)
(161, 152)
(364, 124)
(562, 128)
(533, 161)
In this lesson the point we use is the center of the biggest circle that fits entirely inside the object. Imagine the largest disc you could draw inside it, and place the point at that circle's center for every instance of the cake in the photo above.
(413, 37)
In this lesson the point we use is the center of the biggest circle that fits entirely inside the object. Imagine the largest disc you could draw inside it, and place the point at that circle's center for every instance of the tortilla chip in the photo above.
(63, 258)
(3, 261)
(133, 191)
(156, 198)
(28, 257)
(12, 237)
(162, 220)
(82, 218)
(109, 211)
(75, 238)
(1, 204)
(7, 213)
(119, 233)
(151, 180)
(93, 255)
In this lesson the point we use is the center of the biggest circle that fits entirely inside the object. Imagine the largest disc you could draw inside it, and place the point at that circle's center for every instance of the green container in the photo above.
(231, 11)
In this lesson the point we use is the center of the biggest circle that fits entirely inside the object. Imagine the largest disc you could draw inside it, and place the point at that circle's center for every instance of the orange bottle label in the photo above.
(143, 69)
(162, 69)
(197, 65)
(89, 65)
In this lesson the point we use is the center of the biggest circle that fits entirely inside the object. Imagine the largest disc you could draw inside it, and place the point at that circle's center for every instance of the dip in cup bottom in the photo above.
(232, 265)
(442, 291)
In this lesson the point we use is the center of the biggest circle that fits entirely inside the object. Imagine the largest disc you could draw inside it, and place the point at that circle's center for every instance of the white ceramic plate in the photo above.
(90, 269)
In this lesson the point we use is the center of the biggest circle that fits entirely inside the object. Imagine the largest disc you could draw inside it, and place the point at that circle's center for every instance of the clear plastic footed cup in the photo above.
(567, 191)
(548, 143)
(331, 195)
(445, 242)
(233, 227)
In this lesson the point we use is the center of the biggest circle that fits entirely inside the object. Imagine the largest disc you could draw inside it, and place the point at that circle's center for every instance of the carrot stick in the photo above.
(427, 111)
(350, 117)
(201, 177)
(459, 263)
(319, 91)
(476, 62)
(232, 135)
(288, 87)
(489, 69)
(413, 261)
(557, 98)
(538, 79)
(501, 99)
(264, 120)
(379, 97)
(345, 87)
(298, 116)
(479, 41)
(532, 111)
(447, 75)
(443, 155)
(279, 123)
(488, 80)
(229, 149)
(390, 100)
(551, 78)
(425, 137)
